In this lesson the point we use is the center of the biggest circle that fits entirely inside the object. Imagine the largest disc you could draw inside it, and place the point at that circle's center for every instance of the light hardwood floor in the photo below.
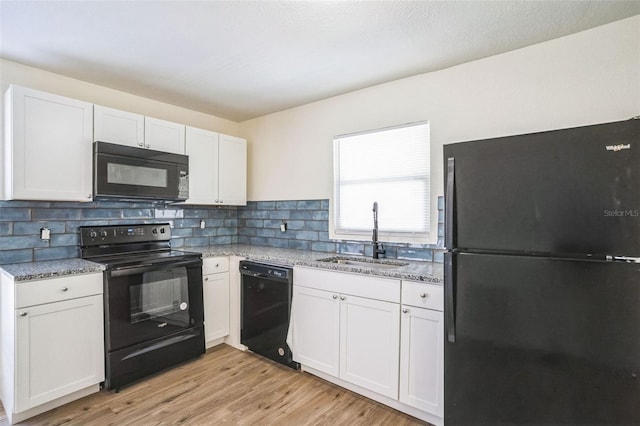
(225, 386)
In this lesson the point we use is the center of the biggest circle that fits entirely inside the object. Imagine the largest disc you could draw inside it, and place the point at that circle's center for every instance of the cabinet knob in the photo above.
(206, 279)
(141, 144)
(23, 314)
(89, 196)
(423, 295)
(147, 146)
(405, 310)
(64, 289)
(342, 297)
(335, 296)
(221, 201)
(217, 265)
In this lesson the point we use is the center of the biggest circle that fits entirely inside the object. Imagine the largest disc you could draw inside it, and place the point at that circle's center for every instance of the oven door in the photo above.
(148, 301)
(127, 172)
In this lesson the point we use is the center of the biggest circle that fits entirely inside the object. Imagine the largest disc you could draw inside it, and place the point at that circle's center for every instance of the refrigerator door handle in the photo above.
(449, 198)
(449, 295)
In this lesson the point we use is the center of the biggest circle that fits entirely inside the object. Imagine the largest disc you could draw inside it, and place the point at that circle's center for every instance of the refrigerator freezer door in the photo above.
(564, 191)
(542, 341)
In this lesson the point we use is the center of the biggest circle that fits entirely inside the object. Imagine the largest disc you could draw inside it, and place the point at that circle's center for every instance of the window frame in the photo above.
(429, 237)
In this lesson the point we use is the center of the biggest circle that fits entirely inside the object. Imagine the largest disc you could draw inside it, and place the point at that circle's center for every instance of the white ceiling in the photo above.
(243, 59)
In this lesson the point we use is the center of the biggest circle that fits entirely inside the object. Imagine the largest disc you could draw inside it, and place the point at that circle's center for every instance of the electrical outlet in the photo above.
(45, 234)
(283, 226)
(202, 224)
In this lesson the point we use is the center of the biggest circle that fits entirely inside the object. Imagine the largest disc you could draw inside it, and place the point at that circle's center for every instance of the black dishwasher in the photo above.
(266, 310)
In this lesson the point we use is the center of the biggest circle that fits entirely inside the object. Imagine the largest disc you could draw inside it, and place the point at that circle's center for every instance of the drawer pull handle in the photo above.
(405, 310)
(64, 289)
(423, 295)
(335, 296)
(23, 314)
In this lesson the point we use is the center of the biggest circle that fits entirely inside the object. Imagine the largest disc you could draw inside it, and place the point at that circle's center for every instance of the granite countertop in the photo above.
(413, 270)
(49, 269)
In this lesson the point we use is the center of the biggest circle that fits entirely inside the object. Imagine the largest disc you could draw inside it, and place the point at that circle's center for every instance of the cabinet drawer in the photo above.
(31, 293)
(362, 285)
(422, 295)
(213, 265)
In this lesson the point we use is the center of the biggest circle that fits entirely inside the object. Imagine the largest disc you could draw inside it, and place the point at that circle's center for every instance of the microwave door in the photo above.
(118, 176)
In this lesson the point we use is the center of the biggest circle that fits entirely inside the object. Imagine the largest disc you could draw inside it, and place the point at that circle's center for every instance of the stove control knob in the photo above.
(162, 230)
(154, 230)
(103, 233)
(93, 234)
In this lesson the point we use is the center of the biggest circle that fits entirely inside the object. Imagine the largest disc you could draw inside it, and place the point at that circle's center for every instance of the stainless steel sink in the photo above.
(364, 262)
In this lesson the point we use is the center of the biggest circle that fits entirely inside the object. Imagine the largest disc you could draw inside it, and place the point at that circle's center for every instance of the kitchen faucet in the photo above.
(377, 245)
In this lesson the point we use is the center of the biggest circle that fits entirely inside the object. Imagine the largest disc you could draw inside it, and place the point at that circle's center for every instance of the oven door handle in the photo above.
(149, 267)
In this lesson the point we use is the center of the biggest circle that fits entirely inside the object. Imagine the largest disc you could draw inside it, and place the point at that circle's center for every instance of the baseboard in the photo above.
(19, 417)
(393, 403)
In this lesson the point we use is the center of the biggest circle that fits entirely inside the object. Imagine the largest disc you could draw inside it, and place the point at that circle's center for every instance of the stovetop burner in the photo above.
(124, 259)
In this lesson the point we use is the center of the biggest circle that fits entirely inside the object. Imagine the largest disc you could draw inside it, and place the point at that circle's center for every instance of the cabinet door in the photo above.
(421, 359)
(216, 306)
(369, 344)
(316, 329)
(115, 126)
(202, 149)
(48, 152)
(232, 171)
(60, 350)
(162, 135)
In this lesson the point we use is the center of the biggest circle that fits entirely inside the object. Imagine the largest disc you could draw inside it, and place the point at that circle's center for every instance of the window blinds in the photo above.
(390, 166)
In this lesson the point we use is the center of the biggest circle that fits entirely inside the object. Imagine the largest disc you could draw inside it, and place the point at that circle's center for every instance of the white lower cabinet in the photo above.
(369, 336)
(421, 359)
(316, 332)
(52, 342)
(215, 282)
(351, 329)
(348, 333)
(59, 350)
(422, 347)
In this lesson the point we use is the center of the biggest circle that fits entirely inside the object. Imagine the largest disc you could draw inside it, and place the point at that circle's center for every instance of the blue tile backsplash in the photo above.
(258, 224)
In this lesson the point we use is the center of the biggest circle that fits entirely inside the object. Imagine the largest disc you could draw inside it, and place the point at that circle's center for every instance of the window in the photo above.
(390, 166)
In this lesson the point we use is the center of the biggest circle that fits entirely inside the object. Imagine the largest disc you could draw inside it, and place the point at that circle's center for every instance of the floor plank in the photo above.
(225, 386)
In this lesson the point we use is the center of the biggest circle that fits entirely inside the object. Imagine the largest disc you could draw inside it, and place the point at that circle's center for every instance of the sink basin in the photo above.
(364, 262)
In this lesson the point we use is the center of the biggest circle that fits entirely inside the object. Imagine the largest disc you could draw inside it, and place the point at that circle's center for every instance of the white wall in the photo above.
(34, 78)
(585, 78)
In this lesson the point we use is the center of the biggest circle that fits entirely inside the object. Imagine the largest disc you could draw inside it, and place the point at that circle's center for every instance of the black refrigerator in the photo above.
(542, 278)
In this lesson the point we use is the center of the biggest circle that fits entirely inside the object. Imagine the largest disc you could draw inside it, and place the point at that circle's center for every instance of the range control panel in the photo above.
(120, 234)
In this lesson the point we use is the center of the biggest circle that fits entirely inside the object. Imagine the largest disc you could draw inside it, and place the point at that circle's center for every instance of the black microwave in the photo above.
(126, 172)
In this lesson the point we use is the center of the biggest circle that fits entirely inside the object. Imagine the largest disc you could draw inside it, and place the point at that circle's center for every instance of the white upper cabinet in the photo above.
(126, 128)
(47, 146)
(115, 126)
(162, 135)
(232, 170)
(202, 149)
(217, 168)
